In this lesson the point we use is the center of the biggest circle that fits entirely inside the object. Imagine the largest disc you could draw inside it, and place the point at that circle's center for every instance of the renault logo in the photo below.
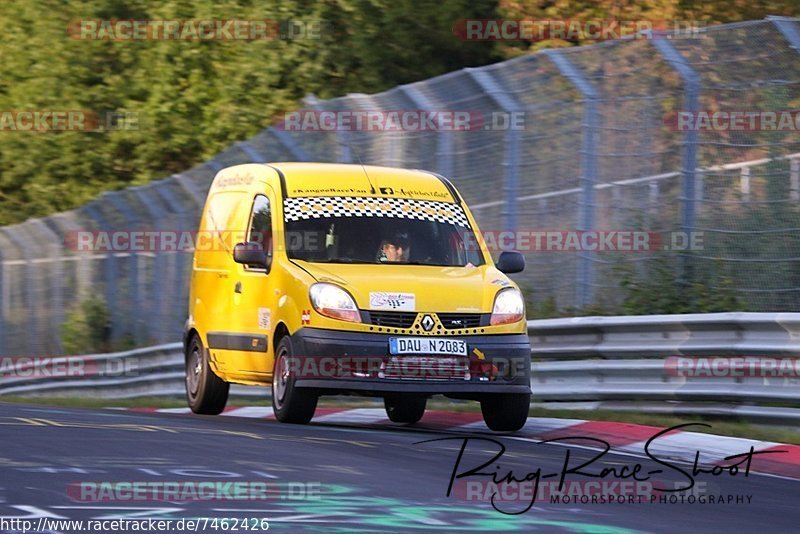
(427, 323)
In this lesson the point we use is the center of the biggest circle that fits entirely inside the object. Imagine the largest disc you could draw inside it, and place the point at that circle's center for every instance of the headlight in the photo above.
(333, 301)
(508, 307)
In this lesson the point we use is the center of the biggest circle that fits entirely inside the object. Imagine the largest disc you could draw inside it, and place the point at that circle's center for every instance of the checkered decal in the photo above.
(299, 208)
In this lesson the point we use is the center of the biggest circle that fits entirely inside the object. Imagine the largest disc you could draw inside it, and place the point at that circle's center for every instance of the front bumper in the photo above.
(334, 361)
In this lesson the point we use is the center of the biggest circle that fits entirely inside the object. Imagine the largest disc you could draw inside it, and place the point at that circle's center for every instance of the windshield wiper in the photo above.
(338, 260)
(417, 263)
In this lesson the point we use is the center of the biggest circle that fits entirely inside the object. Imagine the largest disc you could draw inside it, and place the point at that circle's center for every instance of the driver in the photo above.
(395, 249)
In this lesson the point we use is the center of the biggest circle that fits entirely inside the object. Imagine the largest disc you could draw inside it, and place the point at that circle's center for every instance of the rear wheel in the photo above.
(206, 393)
(405, 408)
(506, 412)
(290, 403)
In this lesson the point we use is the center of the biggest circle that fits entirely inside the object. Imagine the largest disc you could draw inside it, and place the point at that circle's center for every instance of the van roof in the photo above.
(339, 179)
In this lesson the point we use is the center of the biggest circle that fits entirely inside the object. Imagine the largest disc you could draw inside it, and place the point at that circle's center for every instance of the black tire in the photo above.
(405, 408)
(206, 393)
(289, 403)
(506, 412)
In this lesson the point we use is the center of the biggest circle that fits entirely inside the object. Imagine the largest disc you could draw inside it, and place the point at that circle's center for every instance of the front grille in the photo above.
(452, 321)
(392, 319)
(425, 368)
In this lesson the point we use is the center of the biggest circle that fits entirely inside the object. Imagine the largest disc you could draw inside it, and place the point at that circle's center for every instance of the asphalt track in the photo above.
(336, 478)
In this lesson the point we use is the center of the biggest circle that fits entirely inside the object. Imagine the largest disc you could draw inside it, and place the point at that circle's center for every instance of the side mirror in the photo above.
(511, 261)
(251, 254)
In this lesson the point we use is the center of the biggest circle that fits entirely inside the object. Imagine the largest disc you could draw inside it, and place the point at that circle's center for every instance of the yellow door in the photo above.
(253, 298)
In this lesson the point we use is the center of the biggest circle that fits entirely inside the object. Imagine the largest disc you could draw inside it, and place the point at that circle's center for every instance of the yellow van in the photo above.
(328, 279)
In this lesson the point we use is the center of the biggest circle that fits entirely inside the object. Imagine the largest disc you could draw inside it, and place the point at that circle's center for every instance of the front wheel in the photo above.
(206, 393)
(290, 403)
(405, 408)
(506, 412)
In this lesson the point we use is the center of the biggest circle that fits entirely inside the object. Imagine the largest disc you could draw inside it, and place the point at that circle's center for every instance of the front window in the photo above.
(379, 231)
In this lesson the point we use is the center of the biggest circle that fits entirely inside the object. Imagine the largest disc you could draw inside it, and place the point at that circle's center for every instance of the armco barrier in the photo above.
(580, 359)
(653, 336)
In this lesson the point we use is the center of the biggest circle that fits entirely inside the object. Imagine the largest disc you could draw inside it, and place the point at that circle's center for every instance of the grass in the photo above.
(720, 426)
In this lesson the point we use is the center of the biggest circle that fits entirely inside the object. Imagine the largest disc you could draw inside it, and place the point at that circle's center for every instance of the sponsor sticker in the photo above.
(392, 301)
(264, 318)
(318, 207)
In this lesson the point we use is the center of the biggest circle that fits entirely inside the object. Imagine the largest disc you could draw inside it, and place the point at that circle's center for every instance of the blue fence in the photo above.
(597, 150)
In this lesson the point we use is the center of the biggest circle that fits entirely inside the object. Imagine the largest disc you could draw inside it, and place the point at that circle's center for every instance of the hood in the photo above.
(434, 289)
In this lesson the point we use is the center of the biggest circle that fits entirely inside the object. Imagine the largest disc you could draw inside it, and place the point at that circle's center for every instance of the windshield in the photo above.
(430, 236)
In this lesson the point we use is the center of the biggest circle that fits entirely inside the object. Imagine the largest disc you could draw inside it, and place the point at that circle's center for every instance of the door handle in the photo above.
(237, 288)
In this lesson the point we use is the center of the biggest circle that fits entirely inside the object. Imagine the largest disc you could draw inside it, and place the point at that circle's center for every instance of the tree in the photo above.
(195, 98)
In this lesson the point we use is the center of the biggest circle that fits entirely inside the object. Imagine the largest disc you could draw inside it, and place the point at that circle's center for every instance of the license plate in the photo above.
(427, 345)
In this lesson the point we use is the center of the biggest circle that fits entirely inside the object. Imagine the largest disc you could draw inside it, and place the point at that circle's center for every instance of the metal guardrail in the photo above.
(581, 359)
(651, 380)
(134, 373)
(654, 336)
(600, 361)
